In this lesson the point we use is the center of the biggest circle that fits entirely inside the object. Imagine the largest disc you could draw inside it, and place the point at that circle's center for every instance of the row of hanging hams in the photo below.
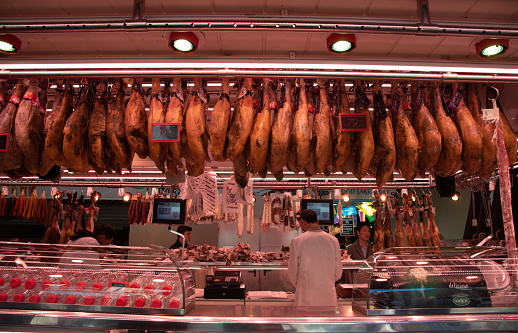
(275, 124)
(415, 222)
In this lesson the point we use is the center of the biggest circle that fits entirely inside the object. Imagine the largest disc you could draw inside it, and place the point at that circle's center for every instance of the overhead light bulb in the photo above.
(183, 42)
(383, 196)
(127, 196)
(456, 196)
(487, 48)
(346, 198)
(10, 44)
(341, 43)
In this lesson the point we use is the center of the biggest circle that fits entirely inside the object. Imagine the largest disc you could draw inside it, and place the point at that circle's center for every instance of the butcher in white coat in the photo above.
(315, 263)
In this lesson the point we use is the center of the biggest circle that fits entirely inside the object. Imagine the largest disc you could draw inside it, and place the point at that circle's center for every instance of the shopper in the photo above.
(82, 258)
(186, 231)
(315, 263)
(362, 248)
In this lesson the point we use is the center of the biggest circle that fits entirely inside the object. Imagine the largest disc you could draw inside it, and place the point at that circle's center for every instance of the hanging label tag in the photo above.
(490, 115)
(201, 95)
(355, 122)
(121, 191)
(5, 190)
(395, 103)
(299, 193)
(419, 100)
(474, 222)
(53, 191)
(15, 100)
(4, 141)
(154, 192)
(379, 105)
(242, 92)
(100, 90)
(89, 191)
(165, 132)
(455, 100)
(362, 97)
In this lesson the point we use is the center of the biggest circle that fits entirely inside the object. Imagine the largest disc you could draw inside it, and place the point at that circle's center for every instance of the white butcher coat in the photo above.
(314, 266)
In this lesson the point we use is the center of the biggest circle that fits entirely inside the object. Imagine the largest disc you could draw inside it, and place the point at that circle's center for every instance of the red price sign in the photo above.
(354, 122)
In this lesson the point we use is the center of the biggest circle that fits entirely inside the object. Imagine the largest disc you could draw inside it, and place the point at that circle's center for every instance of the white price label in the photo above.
(404, 192)
(337, 194)
(490, 114)
(89, 191)
(121, 192)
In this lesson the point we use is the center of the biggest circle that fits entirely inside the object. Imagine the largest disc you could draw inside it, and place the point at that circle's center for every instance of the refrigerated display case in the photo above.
(108, 279)
(430, 280)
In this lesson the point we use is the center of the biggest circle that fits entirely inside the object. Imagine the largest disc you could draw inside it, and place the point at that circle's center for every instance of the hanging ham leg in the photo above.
(470, 134)
(433, 231)
(97, 129)
(29, 124)
(321, 130)
(343, 138)
(427, 241)
(242, 120)
(311, 167)
(280, 133)
(55, 123)
(156, 116)
(75, 143)
(300, 136)
(3, 93)
(400, 236)
(384, 159)
(388, 237)
(507, 130)
(195, 126)
(135, 121)
(418, 236)
(363, 147)
(379, 234)
(409, 233)
(488, 144)
(426, 130)
(447, 164)
(219, 123)
(260, 135)
(12, 159)
(45, 162)
(407, 146)
(115, 127)
(175, 114)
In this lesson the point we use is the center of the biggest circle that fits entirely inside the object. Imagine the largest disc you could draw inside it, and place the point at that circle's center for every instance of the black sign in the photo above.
(347, 227)
(379, 106)
(354, 122)
(361, 97)
(4, 139)
(165, 132)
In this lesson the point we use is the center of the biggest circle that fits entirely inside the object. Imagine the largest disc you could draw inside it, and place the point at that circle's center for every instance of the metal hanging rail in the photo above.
(261, 23)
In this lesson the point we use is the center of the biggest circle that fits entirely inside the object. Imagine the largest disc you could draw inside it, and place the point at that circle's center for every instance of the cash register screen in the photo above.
(323, 208)
(169, 211)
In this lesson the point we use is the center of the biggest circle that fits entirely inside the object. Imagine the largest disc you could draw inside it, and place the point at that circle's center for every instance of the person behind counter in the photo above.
(186, 231)
(314, 264)
(361, 249)
(102, 235)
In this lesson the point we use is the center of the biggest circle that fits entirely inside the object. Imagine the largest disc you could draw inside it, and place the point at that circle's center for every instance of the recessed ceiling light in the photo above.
(10, 44)
(183, 42)
(341, 43)
(487, 48)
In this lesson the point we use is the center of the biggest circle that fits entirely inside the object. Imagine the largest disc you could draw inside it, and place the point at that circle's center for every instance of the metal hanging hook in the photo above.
(493, 100)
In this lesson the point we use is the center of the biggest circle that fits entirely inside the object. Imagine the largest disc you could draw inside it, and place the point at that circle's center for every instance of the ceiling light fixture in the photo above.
(456, 196)
(341, 43)
(10, 44)
(346, 197)
(183, 42)
(488, 48)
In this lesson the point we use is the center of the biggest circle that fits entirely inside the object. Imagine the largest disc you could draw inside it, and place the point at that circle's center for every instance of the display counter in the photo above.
(396, 266)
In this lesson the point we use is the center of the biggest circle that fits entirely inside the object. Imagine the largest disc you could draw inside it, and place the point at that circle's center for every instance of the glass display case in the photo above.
(446, 280)
(93, 279)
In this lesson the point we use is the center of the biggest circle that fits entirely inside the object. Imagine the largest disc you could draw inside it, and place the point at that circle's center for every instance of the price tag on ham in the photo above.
(355, 122)
(165, 132)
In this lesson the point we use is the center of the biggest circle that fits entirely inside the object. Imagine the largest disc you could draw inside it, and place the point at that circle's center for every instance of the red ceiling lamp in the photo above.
(183, 42)
(10, 44)
(488, 48)
(341, 43)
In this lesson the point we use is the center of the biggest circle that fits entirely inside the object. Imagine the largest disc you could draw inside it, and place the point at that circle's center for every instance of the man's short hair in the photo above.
(309, 216)
(106, 230)
(183, 228)
(360, 225)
